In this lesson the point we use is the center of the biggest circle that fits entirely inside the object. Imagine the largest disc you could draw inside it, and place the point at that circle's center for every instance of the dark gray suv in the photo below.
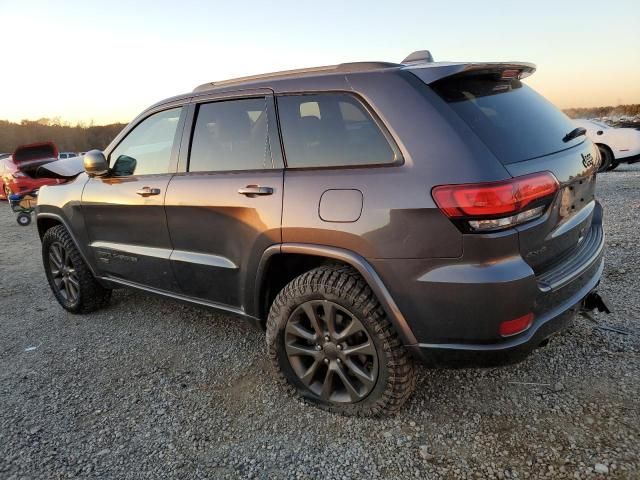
(364, 214)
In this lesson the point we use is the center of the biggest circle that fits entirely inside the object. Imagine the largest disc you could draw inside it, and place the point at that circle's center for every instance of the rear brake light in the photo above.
(517, 325)
(507, 74)
(497, 205)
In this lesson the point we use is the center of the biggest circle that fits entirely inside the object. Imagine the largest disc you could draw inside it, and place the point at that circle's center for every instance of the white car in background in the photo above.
(616, 145)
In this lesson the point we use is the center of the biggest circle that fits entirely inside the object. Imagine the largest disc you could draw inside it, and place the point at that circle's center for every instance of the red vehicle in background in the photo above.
(16, 168)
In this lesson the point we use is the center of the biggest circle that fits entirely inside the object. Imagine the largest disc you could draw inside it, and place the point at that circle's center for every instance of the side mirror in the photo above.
(95, 163)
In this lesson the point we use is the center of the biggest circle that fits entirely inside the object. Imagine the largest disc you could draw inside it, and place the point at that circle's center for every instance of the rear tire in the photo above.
(70, 279)
(613, 165)
(606, 158)
(329, 338)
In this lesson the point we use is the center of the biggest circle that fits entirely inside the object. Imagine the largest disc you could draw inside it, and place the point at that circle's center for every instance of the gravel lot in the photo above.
(153, 389)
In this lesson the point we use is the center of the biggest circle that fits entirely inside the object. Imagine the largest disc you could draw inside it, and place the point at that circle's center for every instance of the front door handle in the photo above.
(255, 190)
(148, 191)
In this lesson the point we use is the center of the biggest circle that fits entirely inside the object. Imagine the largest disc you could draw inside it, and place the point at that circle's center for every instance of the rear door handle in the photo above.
(148, 191)
(255, 190)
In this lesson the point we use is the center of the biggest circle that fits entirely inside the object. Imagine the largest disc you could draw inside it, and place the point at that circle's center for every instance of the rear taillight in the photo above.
(18, 175)
(497, 205)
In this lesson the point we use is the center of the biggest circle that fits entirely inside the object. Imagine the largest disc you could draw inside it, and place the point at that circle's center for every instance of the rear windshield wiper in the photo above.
(575, 133)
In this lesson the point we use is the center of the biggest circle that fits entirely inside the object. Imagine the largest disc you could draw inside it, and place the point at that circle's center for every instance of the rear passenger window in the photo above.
(330, 130)
(231, 135)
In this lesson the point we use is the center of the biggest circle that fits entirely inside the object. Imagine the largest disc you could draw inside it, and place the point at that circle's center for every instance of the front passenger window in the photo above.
(147, 148)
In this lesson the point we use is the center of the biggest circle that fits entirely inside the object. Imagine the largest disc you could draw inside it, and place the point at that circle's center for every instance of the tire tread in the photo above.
(93, 296)
(346, 282)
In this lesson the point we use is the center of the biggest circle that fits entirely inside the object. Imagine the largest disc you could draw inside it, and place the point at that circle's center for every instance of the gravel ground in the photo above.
(153, 389)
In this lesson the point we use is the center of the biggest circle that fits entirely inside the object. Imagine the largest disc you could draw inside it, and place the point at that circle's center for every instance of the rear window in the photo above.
(331, 130)
(514, 121)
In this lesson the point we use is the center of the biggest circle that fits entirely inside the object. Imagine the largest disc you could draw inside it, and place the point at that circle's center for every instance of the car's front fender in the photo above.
(61, 204)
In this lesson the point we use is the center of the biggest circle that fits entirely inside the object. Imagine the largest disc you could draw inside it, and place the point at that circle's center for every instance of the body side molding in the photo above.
(133, 249)
(173, 255)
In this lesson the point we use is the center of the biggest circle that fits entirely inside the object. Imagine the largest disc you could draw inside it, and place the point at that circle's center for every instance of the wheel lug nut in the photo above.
(326, 360)
(339, 347)
(326, 338)
(318, 347)
(339, 361)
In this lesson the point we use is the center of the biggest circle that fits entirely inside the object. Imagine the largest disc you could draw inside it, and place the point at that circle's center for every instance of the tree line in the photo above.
(77, 138)
(597, 112)
(82, 137)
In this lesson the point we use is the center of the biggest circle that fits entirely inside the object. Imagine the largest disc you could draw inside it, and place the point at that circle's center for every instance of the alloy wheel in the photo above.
(63, 273)
(331, 352)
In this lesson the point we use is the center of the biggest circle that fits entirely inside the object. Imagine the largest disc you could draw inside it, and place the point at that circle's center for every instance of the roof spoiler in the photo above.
(432, 72)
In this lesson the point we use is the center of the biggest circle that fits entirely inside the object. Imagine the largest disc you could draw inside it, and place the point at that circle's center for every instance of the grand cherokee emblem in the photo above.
(587, 160)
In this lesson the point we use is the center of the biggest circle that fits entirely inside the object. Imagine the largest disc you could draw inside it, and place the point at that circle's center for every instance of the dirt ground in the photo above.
(148, 388)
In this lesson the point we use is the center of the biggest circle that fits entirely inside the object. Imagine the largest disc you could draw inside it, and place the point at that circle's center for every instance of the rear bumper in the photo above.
(514, 348)
(457, 305)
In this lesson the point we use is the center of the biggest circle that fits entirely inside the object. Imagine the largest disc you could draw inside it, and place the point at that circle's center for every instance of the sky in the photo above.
(105, 61)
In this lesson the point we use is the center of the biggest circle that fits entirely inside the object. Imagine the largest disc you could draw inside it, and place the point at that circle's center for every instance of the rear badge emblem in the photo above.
(587, 160)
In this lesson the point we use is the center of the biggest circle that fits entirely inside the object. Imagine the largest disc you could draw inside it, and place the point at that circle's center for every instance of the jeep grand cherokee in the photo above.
(365, 214)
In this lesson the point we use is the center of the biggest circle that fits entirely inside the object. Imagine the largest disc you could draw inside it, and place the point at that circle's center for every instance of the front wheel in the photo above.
(330, 339)
(23, 219)
(69, 276)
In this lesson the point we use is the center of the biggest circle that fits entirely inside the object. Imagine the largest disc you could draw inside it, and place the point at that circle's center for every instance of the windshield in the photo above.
(514, 121)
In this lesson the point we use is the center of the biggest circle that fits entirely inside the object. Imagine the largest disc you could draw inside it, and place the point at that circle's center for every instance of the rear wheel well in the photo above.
(607, 148)
(280, 270)
(45, 224)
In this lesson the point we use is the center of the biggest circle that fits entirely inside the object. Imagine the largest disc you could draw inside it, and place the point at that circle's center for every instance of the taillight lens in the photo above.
(19, 175)
(517, 325)
(496, 205)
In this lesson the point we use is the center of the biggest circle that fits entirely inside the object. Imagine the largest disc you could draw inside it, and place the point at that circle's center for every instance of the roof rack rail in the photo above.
(419, 56)
(340, 68)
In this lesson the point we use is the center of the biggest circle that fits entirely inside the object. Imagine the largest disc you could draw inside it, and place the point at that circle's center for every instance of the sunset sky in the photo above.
(106, 61)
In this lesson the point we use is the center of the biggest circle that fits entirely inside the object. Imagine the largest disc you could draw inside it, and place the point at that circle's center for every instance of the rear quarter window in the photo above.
(513, 120)
(331, 130)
